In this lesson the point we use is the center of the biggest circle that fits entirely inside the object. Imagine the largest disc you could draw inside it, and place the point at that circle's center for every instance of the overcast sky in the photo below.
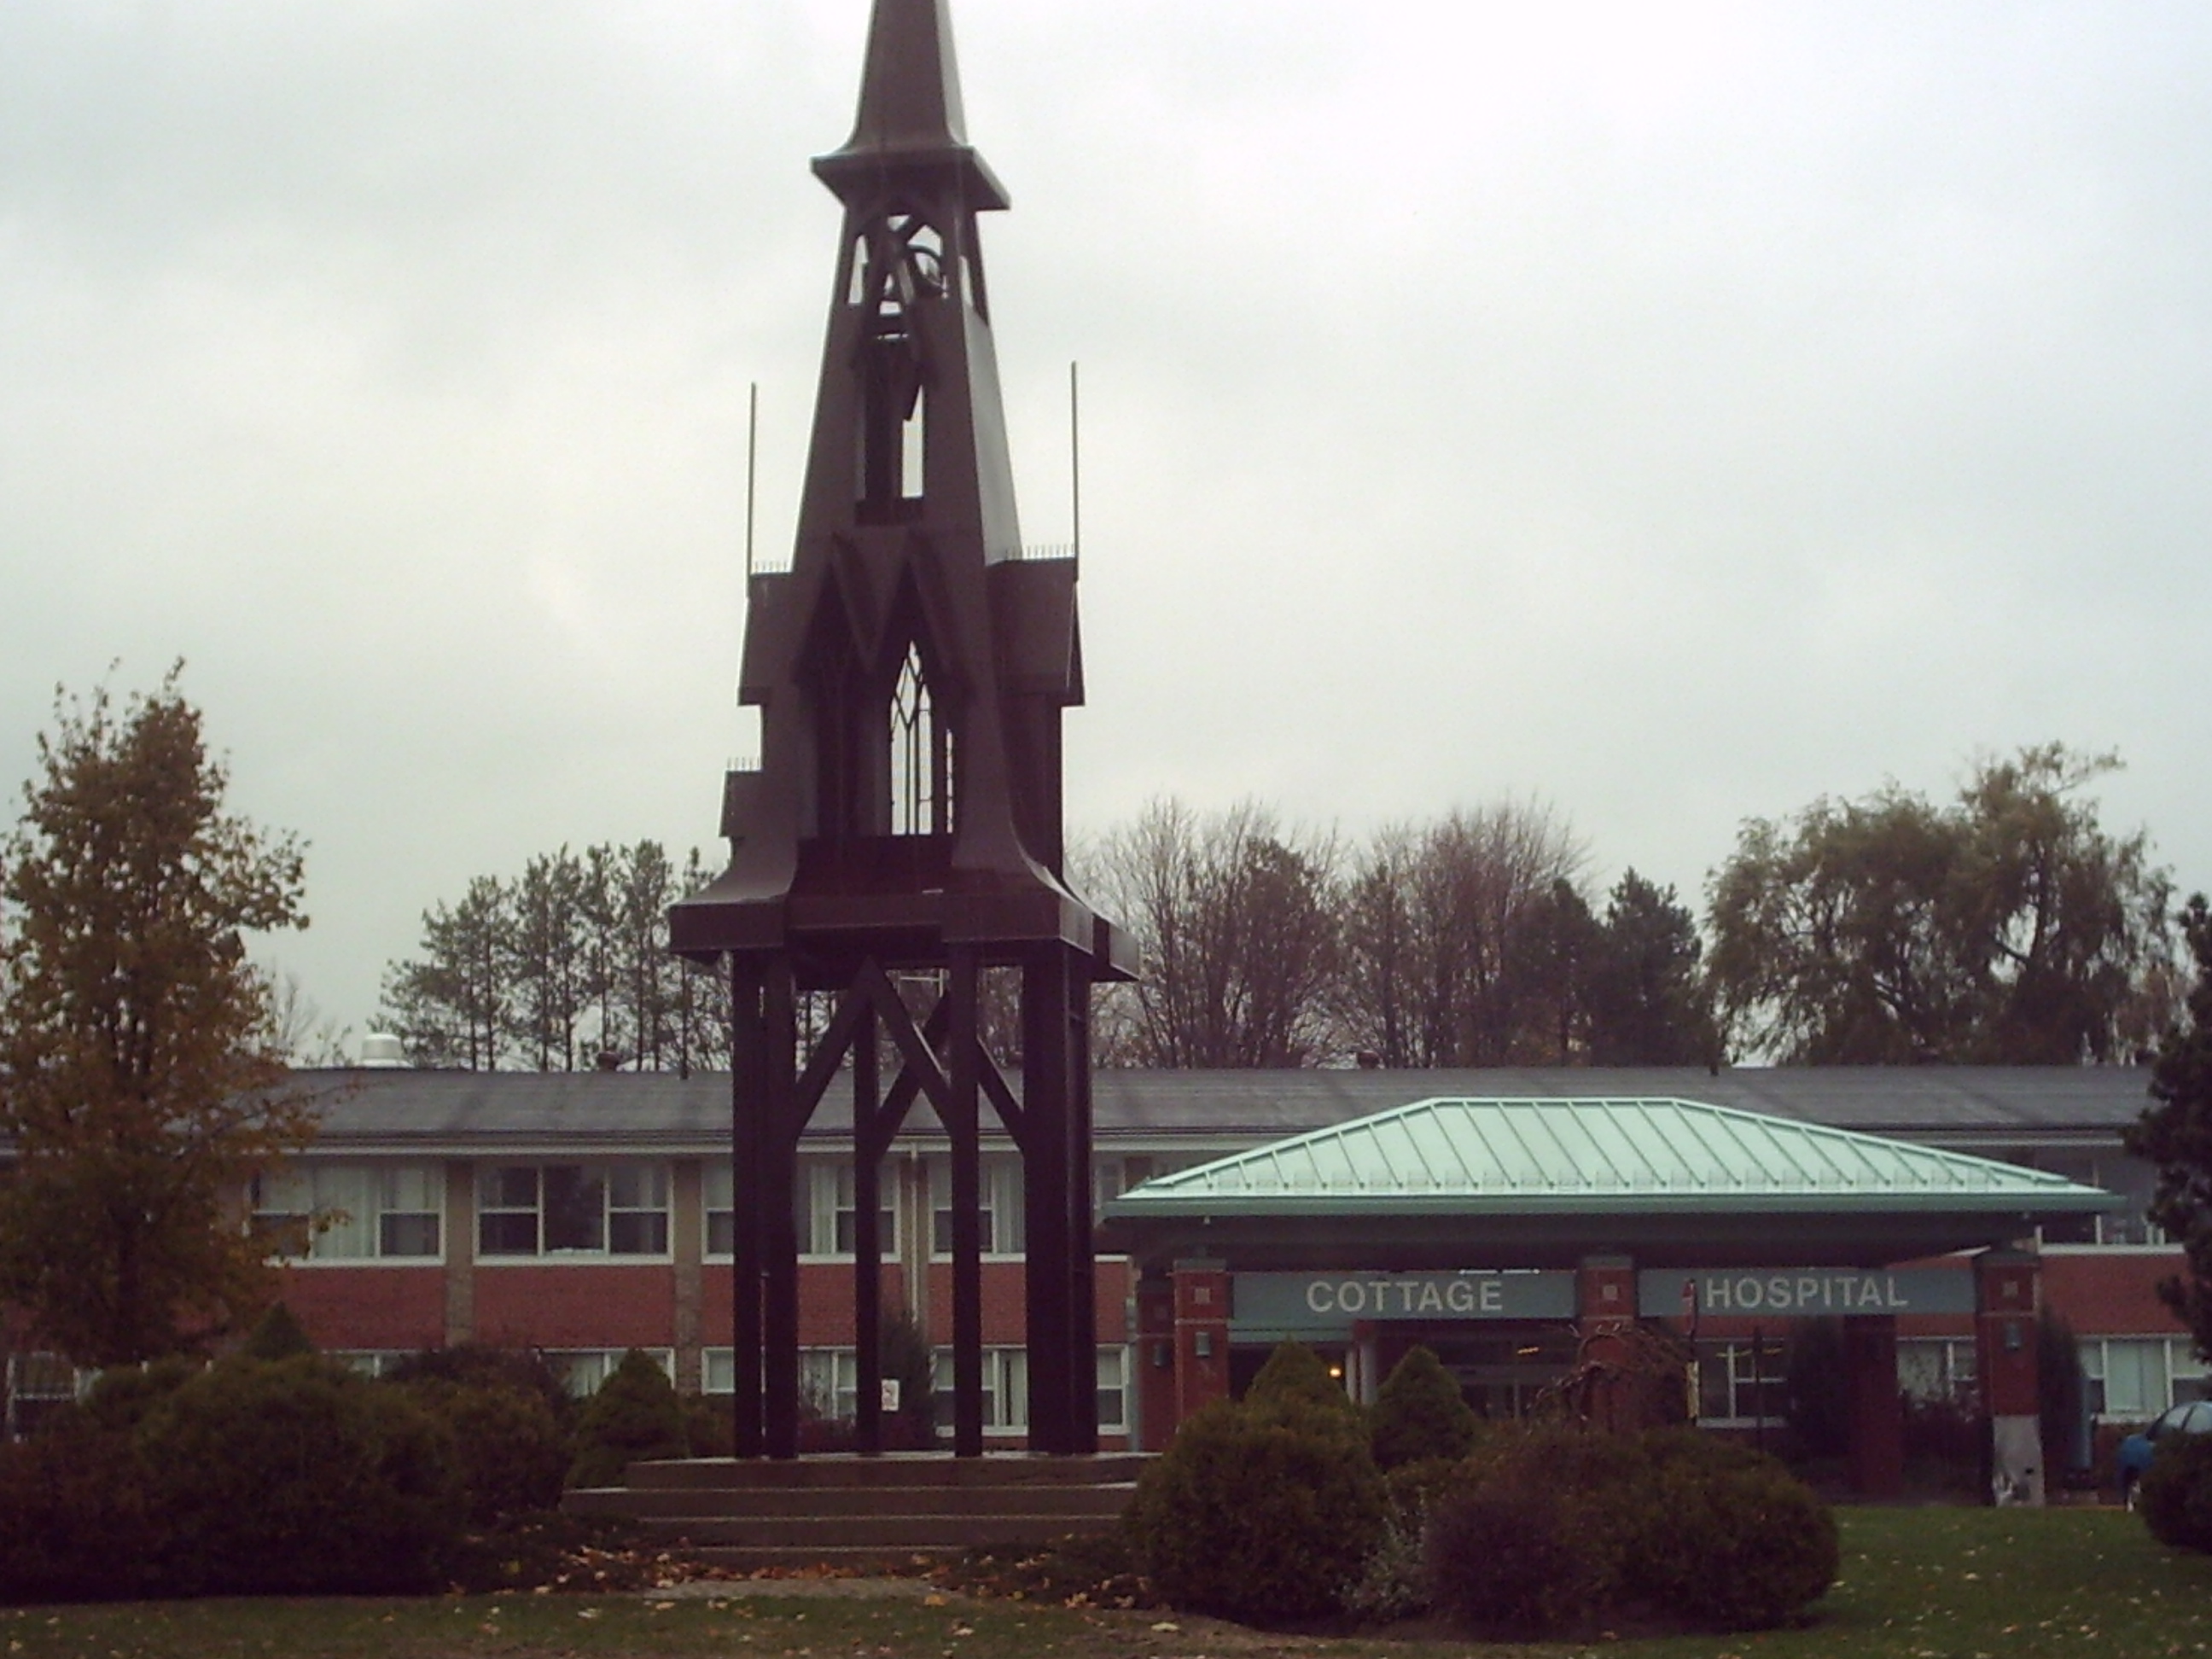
(1668, 412)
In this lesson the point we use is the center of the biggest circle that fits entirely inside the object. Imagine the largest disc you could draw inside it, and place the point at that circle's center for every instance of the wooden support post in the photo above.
(1082, 1260)
(867, 1245)
(748, 1156)
(1045, 1104)
(966, 1204)
(778, 1196)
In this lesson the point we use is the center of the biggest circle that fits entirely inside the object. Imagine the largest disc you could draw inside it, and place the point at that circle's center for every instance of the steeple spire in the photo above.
(904, 828)
(909, 104)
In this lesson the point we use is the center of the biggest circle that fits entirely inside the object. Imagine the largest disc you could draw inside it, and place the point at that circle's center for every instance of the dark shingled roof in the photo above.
(398, 1109)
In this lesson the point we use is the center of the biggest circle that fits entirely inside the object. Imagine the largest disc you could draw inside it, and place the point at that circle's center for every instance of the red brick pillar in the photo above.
(2006, 1287)
(1875, 1455)
(1201, 1335)
(1605, 1306)
(1155, 1382)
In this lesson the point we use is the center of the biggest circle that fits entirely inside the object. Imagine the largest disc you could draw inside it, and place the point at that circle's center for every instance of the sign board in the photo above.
(1285, 1303)
(1802, 1292)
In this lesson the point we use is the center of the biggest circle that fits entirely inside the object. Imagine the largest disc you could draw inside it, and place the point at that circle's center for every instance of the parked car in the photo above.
(2190, 1417)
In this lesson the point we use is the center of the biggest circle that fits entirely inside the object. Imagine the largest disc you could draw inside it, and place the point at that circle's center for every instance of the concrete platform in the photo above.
(851, 1511)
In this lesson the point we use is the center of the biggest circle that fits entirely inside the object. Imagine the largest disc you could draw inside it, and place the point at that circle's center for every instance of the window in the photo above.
(823, 1211)
(364, 1212)
(2106, 1167)
(718, 1198)
(718, 1370)
(581, 1371)
(2134, 1378)
(1738, 1384)
(1112, 1382)
(39, 1386)
(637, 1209)
(829, 1379)
(827, 1215)
(573, 1209)
(1001, 1212)
(1935, 1368)
(829, 1383)
(370, 1362)
(1006, 1389)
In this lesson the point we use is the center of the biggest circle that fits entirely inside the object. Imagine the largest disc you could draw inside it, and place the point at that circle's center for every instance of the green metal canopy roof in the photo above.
(1597, 1158)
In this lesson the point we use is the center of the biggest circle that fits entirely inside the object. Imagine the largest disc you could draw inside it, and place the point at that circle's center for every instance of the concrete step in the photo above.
(844, 1509)
(648, 1503)
(892, 1563)
(890, 1471)
(814, 1536)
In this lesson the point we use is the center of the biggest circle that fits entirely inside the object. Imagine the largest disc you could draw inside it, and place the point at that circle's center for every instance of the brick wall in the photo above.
(364, 1307)
(583, 1304)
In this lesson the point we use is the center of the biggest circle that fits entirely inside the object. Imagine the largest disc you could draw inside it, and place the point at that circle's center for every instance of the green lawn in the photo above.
(1928, 1583)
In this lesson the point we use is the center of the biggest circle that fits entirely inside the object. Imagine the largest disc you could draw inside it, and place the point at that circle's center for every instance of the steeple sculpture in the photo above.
(904, 825)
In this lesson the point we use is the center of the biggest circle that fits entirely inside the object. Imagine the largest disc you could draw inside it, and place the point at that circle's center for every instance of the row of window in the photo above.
(2127, 1378)
(829, 1379)
(353, 1213)
(1742, 1383)
(621, 1207)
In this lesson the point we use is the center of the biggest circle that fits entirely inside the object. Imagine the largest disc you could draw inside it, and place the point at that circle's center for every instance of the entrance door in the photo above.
(1501, 1368)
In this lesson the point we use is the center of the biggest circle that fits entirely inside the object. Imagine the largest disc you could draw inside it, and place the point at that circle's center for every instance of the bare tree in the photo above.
(1446, 929)
(299, 1029)
(1235, 916)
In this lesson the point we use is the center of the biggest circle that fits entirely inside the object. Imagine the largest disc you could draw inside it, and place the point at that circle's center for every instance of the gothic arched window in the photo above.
(921, 755)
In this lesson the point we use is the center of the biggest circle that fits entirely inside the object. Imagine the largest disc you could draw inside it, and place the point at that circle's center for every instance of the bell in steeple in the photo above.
(910, 668)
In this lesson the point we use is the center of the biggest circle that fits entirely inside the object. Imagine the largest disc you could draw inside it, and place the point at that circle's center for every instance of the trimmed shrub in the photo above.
(907, 1361)
(710, 1425)
(1261, 1512)
(635, 1414)
(1553, 1523)
(1601, 1487)
(2175, 1493)
(1740, 1547)
(1393, 1582)
(1504, 1558)
(121, 1396)
(2058, 1403)
(297, 1477)
(479, 1364)
(1412, 1490)
(509, 1456)
(1294, 1381)
(1419, 1413)
(75, 1522)
(277, 1335)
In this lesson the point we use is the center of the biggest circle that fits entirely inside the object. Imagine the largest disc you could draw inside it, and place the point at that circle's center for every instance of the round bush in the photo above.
(1254, 1517)
(1582, 1499)
(122, 1395)
(1553, 1522)
(509, 1455)
(76, 1522)
(298, 1477)
(2175, 1494)
(1295, 1382)
(1419, 1413)
(481, 1366)
(1730, 1548)
(1502, 1558)
(278, 1335)
(635, 1415)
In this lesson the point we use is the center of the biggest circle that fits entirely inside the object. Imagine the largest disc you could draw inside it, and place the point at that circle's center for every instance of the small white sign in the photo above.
(890, 1394)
